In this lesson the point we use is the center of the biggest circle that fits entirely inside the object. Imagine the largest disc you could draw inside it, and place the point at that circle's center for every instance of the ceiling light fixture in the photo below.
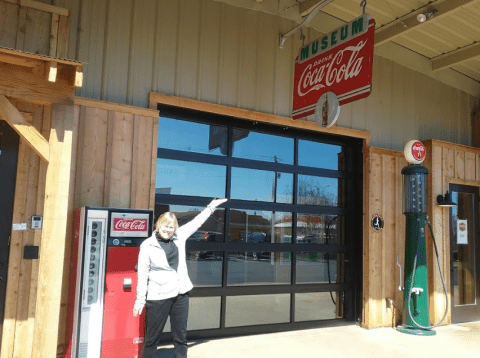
(422, 17)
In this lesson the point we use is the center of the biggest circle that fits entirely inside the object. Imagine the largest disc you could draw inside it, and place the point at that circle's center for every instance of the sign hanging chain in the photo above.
(302, 37)
(364, 5)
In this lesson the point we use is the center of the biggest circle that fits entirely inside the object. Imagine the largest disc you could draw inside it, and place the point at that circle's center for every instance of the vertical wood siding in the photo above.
(41, 31)
(115, 164)
(383, 196)
(213, 52)
(20, 304)
(447, 163)
(114, 160)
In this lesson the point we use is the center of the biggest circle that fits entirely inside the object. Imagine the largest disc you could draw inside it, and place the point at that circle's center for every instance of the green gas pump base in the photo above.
(415, 312)
(416, 331)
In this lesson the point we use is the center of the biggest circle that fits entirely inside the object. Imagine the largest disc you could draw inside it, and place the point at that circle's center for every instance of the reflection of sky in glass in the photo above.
(317, 190)
(190, 136)
(189, 178)
(251, 184)
(318, 155)
(265, 147)
(455, 200)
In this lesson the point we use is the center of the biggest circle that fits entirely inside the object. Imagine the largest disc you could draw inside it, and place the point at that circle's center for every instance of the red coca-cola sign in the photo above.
(129, 224)
(418, 151)
(125, 224)
(344, 67)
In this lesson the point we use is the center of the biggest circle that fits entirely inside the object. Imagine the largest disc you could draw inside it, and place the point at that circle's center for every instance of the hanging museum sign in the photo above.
(339, 62)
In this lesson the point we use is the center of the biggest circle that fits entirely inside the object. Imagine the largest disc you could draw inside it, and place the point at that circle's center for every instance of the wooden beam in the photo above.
(156, 98)
(54, 35)
(116, 107)
(62, 38)
(39, 57)
(33, 138)
(409, 22)
(27, 86)
(52, 248)
(40, 6)
(455, 57)
(19, 60)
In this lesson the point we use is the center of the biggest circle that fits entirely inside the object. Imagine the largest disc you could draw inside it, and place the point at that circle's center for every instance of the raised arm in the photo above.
(185, 231)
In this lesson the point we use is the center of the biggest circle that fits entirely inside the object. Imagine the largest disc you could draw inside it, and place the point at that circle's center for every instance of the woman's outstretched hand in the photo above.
(216, 202)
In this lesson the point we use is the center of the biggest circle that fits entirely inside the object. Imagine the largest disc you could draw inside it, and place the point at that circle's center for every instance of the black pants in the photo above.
(156, 317)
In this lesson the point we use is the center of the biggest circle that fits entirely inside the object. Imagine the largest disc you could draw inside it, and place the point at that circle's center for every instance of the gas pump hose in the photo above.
(441, 277)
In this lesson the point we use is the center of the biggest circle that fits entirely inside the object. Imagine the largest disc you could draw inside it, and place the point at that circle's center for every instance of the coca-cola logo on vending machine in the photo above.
(129, 224)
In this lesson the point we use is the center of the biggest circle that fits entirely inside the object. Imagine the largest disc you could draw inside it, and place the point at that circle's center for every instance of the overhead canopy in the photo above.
(446, 45)
(37, 79)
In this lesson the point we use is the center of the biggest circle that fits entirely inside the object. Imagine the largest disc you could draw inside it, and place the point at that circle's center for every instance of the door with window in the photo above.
(464, 251)
(284, 252)
(8, 169)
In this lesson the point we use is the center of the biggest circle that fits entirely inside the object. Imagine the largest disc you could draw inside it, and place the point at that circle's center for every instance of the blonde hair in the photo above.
(167, 218)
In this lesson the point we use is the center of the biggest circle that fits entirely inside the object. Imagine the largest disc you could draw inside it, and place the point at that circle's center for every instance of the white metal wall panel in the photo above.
(140, 65)
(229, 56)
(166, 38)
(90, 46)
(8, 25)
(214, 52)
(209, 38)
(118, 44)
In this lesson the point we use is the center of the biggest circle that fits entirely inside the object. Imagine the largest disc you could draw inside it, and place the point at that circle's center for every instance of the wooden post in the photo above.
(52, 250)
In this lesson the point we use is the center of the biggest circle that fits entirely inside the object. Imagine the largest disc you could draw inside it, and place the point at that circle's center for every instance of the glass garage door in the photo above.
(284, 252)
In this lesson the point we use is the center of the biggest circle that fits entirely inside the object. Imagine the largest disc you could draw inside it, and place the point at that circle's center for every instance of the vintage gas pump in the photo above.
(415, 313)
(415, 303)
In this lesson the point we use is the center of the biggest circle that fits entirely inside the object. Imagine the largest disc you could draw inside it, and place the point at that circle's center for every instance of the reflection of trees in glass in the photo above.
(310, 193)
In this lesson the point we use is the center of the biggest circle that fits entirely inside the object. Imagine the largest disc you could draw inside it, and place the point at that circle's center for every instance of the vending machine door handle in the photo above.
(127, 283)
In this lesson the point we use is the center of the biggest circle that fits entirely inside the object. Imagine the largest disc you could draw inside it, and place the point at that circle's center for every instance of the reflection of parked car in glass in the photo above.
(257, 238)
(205, 236)
(309, 239)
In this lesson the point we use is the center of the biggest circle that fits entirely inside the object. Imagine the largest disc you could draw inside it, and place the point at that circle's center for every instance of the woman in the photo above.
(163, 281)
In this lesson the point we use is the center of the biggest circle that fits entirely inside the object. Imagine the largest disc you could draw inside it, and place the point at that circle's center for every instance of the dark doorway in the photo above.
(8, 170)
(464, 251)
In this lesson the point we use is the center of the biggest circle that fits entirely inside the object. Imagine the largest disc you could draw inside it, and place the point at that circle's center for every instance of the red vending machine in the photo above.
(103, 282)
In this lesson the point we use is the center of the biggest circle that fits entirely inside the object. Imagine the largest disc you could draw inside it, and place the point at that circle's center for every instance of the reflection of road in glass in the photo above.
(245, 270)
(247, 310)
(205, 272)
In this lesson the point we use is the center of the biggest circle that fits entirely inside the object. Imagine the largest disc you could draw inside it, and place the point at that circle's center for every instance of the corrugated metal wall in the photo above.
(205, 50)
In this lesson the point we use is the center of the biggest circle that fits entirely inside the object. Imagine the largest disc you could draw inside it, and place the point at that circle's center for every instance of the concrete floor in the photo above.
(460, 341)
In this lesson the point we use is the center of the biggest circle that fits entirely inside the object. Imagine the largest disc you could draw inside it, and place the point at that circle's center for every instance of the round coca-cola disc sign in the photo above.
(415, 152)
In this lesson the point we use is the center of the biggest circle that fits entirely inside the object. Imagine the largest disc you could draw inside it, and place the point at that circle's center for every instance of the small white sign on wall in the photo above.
(462, 232)
(19, 227)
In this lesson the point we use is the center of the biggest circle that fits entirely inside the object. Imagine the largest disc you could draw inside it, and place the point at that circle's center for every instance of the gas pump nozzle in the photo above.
(400, 288)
